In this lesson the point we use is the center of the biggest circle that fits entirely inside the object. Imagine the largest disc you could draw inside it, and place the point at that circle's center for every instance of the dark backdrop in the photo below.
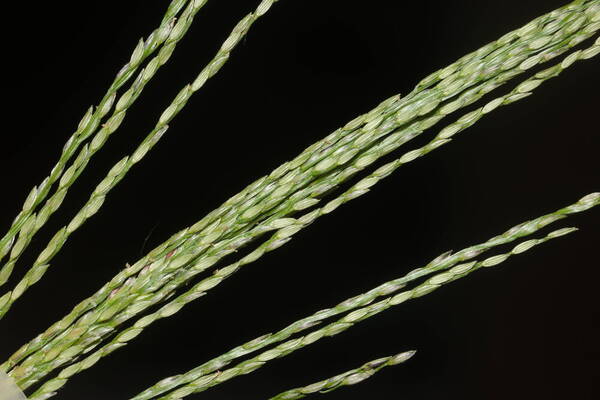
(528, 329)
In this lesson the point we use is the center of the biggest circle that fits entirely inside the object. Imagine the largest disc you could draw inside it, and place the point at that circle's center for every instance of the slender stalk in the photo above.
(349, 378)
(119, 171)
(28, 222)
(212, 372)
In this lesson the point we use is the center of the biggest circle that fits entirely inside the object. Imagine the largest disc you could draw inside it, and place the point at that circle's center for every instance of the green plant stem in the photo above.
(403, 160)
(212, 372)
(122, 167)
(28, 222)
(257, 209)
(100, 330)
(349, 378)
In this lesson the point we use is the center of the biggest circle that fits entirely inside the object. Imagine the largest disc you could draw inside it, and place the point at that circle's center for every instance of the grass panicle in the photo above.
(356, 190)
(271, 210)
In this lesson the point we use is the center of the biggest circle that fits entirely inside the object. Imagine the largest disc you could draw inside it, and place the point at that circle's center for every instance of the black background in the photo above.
(528, 329)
